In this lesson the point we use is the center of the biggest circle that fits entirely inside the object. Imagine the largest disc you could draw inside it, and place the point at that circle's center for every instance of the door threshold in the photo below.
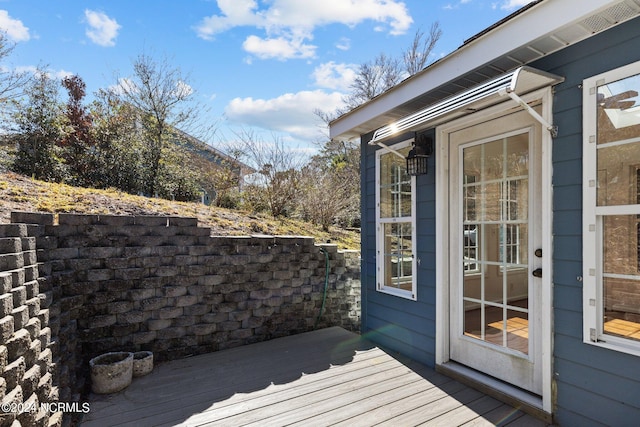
(507, 393)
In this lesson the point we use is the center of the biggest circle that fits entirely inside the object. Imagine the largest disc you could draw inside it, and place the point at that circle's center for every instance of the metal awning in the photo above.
(514, 83)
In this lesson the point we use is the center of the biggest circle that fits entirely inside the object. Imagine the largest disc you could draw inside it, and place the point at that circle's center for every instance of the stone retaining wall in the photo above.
(28, 368)
(110, 283)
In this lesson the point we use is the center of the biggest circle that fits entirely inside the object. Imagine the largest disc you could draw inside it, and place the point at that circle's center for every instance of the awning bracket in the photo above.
(389, 149)
(551, 128)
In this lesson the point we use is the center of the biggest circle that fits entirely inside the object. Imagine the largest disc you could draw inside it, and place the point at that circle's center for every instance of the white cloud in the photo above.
(335, 76)
(124, 84)
(288, 24)
(102, 30)
(278, 48)
(500, 4)
(513, 4)
(344, 44)
(183, 89)
(61, 74)
(234, 13)
(27, 69)
(14, 28)
(52, 74)
(290, 113)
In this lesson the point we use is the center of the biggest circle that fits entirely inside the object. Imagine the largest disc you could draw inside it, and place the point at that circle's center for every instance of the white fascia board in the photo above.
(543, 19)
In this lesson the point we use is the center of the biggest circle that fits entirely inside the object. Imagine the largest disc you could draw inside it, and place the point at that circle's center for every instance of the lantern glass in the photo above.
(416, 164)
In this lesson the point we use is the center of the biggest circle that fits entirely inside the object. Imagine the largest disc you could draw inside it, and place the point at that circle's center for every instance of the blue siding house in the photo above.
(512, 260)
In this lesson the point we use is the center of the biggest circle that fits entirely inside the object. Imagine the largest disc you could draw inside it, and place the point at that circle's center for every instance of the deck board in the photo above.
(463, 414)
(320, 378)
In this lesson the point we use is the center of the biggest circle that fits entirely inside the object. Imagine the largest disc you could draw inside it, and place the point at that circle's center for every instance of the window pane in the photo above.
(518, 331)
(492, 207)
(618, 122)
(494, 325)
(515, 200)
(618, 174)
(482, 163)
(518, 286)
(491, 242)
(473, 321)
(620, 239)
(514, 244)
(619, 110)
(621, 276)
(472, 282)
(518, 155)
(470, 252)
(398, 255)
(470, 197)
(395, 186)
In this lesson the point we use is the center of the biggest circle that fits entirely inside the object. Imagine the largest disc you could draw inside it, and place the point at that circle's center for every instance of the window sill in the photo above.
(397, 293)
(616, 344)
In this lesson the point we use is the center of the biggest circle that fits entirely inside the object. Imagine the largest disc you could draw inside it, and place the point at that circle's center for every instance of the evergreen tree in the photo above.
(39, 131)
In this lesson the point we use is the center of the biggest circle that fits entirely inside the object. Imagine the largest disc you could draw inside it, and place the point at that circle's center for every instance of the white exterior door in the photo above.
(495, 254)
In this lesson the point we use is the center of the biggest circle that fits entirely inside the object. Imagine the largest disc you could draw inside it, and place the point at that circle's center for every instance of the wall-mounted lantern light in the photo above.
(419, 155)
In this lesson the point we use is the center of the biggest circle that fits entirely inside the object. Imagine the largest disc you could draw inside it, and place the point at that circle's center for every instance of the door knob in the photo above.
(537, 272)
(538, 253)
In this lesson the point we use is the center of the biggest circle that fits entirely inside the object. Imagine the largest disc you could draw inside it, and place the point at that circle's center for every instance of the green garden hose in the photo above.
(326, 284)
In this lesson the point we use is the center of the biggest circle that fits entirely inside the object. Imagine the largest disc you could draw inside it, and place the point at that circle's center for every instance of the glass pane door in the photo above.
(495, 231)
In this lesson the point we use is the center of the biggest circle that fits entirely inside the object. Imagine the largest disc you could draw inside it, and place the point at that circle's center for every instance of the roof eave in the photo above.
(542, 19)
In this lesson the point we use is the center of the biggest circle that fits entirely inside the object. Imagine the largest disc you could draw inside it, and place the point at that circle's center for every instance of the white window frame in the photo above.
(592, 220)
(380, 237)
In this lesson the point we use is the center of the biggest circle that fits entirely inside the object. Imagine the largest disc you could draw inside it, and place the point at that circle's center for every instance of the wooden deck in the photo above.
(321, 378)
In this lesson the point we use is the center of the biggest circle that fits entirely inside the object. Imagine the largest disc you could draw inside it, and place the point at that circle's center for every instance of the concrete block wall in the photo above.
(29, 373)
(110, 283)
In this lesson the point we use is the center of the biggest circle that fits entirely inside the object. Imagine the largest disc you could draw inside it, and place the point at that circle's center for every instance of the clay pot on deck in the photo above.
(142, 363)
(111, 372)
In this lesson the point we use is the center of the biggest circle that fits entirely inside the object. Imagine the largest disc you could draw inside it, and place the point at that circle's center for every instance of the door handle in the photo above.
(537, 272)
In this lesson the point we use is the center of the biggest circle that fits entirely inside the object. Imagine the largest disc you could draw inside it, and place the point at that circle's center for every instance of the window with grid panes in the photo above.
(611, 210)
(395, 228)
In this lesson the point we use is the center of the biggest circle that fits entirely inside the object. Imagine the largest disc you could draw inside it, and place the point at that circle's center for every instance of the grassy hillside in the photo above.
(20, 193)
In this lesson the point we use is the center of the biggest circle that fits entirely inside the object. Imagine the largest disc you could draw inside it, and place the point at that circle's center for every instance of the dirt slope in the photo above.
(20, 193)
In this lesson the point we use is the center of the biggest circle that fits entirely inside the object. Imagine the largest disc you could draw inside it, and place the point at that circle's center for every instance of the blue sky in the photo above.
(260, 65)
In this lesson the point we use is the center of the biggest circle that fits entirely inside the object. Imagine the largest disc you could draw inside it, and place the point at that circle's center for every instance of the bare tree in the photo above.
(341, 171)
(12, 82)
(330, 190)
(415, 58)
(276, 184)
(323, 196)
(383, 72)
(373, 78)
(164, 99)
